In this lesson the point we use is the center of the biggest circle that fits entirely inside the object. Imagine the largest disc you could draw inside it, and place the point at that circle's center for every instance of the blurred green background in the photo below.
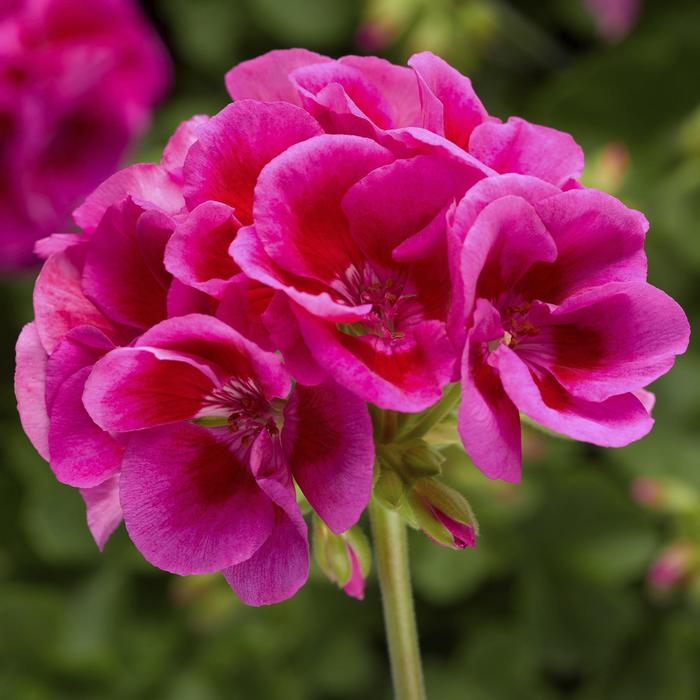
(556, 601)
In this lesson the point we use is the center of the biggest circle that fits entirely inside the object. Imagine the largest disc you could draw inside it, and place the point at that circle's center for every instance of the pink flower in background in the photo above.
(614, 18)
(78, 81)
(561, 324)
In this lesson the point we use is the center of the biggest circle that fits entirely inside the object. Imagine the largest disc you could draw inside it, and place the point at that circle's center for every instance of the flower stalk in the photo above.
(391, 551)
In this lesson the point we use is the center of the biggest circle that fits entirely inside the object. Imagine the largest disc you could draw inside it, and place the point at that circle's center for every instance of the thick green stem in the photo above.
(434, 414)
(391, 551)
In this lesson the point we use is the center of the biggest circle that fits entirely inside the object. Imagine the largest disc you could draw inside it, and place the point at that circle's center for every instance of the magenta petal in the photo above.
(327, 437)
(277, 570)
(234, 146)
(391, 203)
(406, 376)
(178, 145)
(218, 349)
(30, 379)
(332, 91)
(488, 422)
(599, 240)
(118, 275)
(190, 506)
(398, 86)
(530, 149)
(59, 302)
(612, 339)
(197, 253)
(82, 454)
(355, 587)
(450, 105)
(135, 388)
(149, 185)
(248, 252)
(81, 347)
(266, 78)
(283, 327)
(615, 422)
(504, 242)
(104, 512)
(297, 203)
(244, 303)
(281, 565)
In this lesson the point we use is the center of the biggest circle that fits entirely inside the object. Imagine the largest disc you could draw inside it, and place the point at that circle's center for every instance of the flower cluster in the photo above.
(346, 234)
(77, 82)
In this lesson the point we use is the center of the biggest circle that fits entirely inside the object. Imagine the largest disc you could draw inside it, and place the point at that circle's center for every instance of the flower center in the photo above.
(241, 407)
(516, 326)
(391, 309)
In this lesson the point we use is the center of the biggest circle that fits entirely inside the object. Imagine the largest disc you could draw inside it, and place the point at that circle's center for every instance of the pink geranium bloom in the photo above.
(78, 81)
(199, 499)
(561, 324)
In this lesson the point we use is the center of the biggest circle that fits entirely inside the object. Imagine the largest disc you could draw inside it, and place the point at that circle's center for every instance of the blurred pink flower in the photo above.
(614, 18)
(78, 81)
(671, 567)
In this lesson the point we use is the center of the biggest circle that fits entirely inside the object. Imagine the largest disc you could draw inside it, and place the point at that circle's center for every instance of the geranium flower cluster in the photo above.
(347, 234)
(78, 81)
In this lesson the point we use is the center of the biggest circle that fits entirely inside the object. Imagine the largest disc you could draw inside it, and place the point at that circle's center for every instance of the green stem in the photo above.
(391, 551)
(434, 414)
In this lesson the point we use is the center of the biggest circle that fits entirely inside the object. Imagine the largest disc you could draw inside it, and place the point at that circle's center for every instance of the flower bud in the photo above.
(671, 568)
(421, 460)
(443, 514)
(344, 559)
(389, 488)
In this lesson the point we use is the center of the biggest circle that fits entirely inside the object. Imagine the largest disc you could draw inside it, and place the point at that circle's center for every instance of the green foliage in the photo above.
(553, 604)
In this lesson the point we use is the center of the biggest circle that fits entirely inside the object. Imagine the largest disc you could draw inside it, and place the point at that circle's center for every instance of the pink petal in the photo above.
(244, 303)
(178, 145)
(529, 149)
(209, 342)
(149, 185)
(489, 423)
(355, 587)
(338, 88)
(277, 570)
(118, 277)
(327, 436)
(283, 327)
(248, 252)
(59, 301)
(504, 242)
(403, 376)
(612, 339)
(297, 207)
(281, 565)
(135, 388)
(104, 512)
(450, 105)
(599, 240)
(30, 379)
(82, 454)
(266, 78)
(197, 253)
(400, 199)
(233, 147)
(190, 506)
(397, 85)
(81, 347)
(615, 422)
